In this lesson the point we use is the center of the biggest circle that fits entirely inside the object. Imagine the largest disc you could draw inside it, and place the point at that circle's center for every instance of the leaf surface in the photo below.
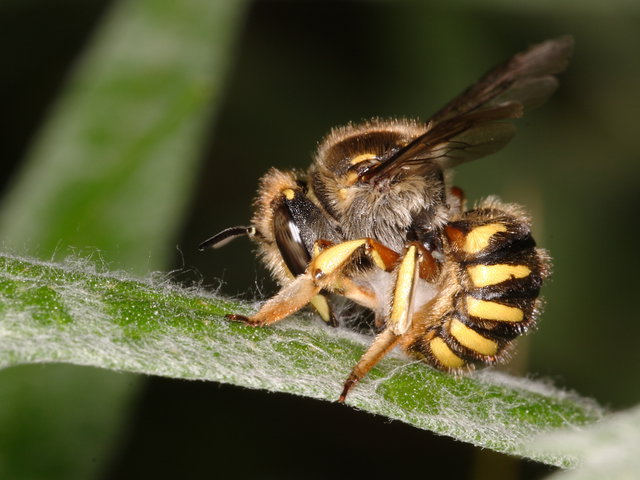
(69, 313)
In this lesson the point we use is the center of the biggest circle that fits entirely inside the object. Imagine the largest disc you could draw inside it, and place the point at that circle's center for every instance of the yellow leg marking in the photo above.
(290, 194)
(444, 354)
(322, 306)
(331, 259)
(493, 311)
(478, 238)
(383, 257)
(484, 275)
(472, 339)
(377, 259)
(362, 157)
(400, 318)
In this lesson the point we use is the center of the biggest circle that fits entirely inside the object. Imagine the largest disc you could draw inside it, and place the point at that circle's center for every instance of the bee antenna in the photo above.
(222, 238)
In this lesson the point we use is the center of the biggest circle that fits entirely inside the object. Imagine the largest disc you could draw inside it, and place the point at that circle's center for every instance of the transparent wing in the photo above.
(475, 123)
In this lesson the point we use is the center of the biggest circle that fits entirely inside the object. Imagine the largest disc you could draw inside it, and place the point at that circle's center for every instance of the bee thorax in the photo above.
(387, 212)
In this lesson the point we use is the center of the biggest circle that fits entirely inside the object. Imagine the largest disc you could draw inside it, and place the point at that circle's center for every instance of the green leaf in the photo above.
(110, 172)
(70, 313)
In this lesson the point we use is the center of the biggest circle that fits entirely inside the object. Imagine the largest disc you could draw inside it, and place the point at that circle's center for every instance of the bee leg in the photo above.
(321, 303)
(416, 263)
(291, 298)
(413, 265)
(456, 199)
(305, 288)
(358, 294)
(383, 256)
(324, 271)
(337, 257)
(382, 345)
(330, 259)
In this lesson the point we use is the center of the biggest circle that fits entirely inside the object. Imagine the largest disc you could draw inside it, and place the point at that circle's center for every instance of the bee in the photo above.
(376, 220)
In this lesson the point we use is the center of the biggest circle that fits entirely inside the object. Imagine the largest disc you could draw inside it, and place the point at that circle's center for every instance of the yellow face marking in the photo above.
(472, 339)
(478, 238)
(493, 311)
(290, 194)
(329, 260)
(484, 275)
(343, 193)
(400, 316)
(444, 354)
(362, 157)
(322, 306)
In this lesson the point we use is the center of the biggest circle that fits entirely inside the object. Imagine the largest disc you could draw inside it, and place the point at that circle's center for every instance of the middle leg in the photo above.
(417, 263)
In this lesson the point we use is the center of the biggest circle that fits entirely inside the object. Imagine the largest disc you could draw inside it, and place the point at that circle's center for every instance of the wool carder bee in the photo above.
(375, 220)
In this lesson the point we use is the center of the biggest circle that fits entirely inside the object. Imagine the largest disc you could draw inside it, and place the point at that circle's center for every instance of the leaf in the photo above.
(111, 171)
(608, 449)
(70, 313)
(113, 168)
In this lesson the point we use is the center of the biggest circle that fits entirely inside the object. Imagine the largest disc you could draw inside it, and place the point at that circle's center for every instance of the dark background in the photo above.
(303, 67)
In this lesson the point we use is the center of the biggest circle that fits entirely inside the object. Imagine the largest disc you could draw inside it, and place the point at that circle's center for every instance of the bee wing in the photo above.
(473, 124)
(526, 78)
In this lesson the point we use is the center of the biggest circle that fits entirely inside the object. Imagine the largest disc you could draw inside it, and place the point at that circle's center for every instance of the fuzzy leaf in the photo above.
(608, 449)
(69, 313)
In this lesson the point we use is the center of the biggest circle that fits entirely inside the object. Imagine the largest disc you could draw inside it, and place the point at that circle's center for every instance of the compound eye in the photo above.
(289, 240)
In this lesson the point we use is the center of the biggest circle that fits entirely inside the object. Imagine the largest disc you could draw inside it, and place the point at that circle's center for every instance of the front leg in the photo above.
(325, 271)
(291, 298)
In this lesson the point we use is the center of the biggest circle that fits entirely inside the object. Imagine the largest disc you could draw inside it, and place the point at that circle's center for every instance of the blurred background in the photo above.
(294, 70)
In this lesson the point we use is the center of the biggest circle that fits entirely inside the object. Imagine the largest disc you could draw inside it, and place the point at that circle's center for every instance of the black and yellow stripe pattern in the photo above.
(499, 272)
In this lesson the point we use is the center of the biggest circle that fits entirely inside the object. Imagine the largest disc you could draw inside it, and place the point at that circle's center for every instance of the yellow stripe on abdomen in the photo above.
(472, 339)
(444, 354)
(478, 238)
(493, 311)
(485, 275)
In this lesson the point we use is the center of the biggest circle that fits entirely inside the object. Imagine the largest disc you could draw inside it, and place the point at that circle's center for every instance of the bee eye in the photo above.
(289, 240)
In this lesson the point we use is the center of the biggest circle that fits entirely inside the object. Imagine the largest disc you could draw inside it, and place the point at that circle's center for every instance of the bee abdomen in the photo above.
(454, 345)
(499, 273)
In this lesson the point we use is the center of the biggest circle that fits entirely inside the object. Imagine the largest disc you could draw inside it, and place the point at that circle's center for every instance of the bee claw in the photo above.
(350, 383)
(234, 317)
